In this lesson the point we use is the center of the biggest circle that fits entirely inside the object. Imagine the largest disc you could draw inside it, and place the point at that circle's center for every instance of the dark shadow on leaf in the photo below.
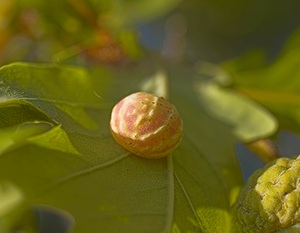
(50, 220)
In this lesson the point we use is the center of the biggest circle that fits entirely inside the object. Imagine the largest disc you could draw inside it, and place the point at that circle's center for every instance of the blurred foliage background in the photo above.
(90, 32)
(211, 30)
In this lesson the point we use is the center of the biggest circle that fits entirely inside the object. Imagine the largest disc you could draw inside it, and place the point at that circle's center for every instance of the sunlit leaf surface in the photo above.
(275, 85)
(61, 147)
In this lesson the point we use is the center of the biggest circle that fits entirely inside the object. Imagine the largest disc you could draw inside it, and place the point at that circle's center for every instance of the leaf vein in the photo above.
(188, 198)
(83, 172)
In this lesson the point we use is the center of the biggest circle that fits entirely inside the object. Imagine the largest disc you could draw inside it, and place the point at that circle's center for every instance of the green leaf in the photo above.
(276, 86)
(56, 139)
(28, 81)
(22, 122)
(13, 137)
(249, 121)
(16, 111)
(199, 205)
(11, 206)
(103, 186)
(205, 166)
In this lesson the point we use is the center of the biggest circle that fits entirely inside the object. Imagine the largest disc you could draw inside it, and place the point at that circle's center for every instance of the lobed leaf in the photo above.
(78, 167)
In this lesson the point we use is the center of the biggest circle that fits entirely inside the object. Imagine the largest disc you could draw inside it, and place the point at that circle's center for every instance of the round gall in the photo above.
(146, 125)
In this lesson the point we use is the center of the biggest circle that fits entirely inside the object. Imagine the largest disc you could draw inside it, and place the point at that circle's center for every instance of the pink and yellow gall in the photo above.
(146, 125)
